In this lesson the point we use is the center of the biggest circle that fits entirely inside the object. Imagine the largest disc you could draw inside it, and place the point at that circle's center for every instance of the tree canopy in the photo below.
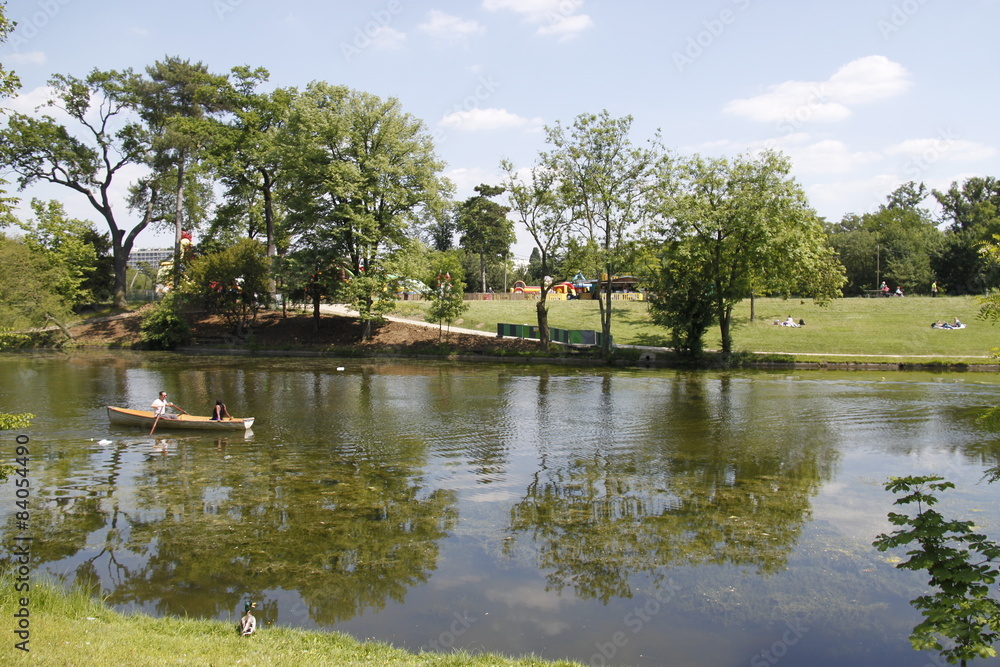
(748, 230)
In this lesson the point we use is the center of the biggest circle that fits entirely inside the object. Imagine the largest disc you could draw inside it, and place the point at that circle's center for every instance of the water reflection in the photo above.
(387, 498)
(694, 484)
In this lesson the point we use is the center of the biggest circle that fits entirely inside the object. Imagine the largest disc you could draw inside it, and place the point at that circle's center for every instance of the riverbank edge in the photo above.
(68, 627)
(646, 359)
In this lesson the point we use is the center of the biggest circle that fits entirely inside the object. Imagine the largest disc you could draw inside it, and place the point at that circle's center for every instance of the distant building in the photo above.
(151, 256)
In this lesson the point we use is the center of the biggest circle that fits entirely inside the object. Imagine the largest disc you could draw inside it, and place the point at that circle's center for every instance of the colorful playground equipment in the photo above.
(623, 288)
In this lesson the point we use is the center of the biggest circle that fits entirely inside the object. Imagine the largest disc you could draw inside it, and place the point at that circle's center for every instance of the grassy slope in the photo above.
(857, 327)
(72, 629)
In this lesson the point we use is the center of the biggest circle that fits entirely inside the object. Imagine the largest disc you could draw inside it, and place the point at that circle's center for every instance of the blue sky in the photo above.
(862, 95)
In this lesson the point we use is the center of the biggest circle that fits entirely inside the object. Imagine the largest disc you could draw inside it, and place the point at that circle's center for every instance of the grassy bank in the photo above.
(73, 629)
(855, 328)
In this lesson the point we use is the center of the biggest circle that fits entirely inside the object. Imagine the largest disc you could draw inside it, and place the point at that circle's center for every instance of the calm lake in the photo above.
(626, 517)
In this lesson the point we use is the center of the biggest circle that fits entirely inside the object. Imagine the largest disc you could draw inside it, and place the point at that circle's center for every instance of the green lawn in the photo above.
(857, 327)
(70, 628)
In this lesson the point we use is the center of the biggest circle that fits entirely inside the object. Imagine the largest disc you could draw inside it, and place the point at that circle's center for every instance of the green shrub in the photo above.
(166, 328)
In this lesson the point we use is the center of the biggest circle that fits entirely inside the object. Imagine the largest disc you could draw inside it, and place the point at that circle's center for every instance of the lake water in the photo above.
(640, 517)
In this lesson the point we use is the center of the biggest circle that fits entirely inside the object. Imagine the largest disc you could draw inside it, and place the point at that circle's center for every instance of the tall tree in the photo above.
(246, 156)
(361, 173)
(41, 149)
(69, 245)
(9, 84)
(604, 179)
(972, 210)
(34, 302)
(896, 243)
(176, 101)
(749, 221)
(485, 229)
(543, 214)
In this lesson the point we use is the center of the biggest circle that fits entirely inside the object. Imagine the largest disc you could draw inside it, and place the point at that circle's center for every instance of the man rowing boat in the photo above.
(160, 406)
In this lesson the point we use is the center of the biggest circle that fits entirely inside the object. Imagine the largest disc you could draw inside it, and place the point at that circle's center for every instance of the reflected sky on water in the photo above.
(639, 517)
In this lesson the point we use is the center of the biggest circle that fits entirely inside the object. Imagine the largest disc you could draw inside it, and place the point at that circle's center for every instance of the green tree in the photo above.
(447, 287)
(166, 327)
(68, 245)
(972, 210)
(680, 296)
(361, 173)
(40, 149)
(543, 214)
(894, 244)
(9, 84)
(602, 177)
(233, 282)
(961, 565)
(246, 157)
(485, 229)
(176, 102)
(749, 221)
(30, 287)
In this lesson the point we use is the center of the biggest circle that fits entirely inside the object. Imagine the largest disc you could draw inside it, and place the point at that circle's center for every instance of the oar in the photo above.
(160, 413)
(154, 423)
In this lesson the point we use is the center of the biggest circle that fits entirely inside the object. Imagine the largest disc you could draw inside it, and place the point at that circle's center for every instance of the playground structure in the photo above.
(623, 288)
(563, 290)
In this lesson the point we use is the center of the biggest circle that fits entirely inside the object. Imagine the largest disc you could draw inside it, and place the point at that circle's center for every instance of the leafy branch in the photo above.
(962, 567)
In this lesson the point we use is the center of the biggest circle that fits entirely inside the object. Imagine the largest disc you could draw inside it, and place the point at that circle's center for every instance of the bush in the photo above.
(166, 328)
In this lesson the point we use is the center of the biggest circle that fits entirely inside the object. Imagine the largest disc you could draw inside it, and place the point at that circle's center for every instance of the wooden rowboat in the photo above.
(145, 418)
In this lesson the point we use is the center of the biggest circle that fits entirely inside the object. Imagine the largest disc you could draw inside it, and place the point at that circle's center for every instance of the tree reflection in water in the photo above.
(703, 488)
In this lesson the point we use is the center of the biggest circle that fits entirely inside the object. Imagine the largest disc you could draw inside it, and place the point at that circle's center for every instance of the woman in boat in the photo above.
(220, 412)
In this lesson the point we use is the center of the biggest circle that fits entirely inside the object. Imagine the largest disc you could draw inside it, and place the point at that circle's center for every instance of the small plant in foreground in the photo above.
(962, 568)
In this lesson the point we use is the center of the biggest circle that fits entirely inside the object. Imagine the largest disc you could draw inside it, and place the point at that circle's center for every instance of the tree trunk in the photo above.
(725, 317)
(482, 269)
(605, 300)
(753, 308)
(178, 221)
(120, 259)
(272, 248)
(541, 309)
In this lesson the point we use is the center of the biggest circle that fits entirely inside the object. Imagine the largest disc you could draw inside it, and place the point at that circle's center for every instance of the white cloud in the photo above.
(555, 18)
(387, 39)
(488, 119)
(943, 148)
(858, 82)
(26, 58)
(466, 179)
(829, 156)
(37, 98)
(853, 196)
(450, 29)
(566, 27)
